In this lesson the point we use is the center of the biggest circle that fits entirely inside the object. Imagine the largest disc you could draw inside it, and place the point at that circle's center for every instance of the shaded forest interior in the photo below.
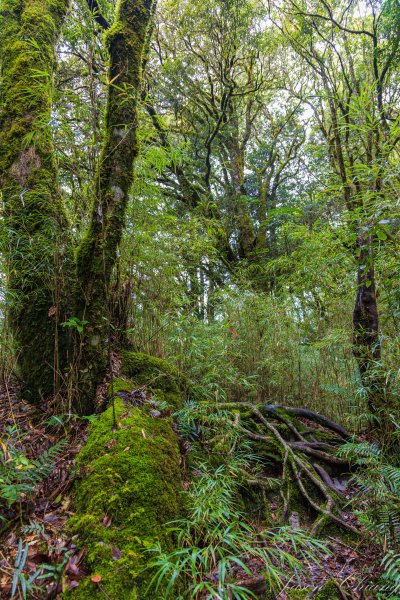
(200, 299)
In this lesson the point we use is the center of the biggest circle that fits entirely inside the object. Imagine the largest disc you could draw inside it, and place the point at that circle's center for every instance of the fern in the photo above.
(20, 475)
(378, 482)
(390, 587)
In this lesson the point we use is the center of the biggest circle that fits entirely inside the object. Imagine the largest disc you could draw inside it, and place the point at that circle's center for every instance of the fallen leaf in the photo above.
(52, 311)
(66, 503)
(73, 584)
(107, 521)
(72, 566)
(116, 553)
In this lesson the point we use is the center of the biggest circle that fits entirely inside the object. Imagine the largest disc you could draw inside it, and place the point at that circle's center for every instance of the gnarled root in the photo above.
(299, 452)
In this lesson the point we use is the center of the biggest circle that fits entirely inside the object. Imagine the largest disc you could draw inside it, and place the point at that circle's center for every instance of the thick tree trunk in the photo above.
(97, 254)
(33, 224)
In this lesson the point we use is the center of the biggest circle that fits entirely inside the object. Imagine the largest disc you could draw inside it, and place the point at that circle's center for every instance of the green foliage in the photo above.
(267, 146)
(75, 323)
(20, 475)
(215, 542)
(379, 483)
(27, 585)
(267, 347)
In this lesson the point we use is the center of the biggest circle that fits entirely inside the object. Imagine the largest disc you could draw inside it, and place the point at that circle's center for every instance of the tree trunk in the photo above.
(36, 243)
(34, 224)
(246, 237)
(366, 344)
(97, 254)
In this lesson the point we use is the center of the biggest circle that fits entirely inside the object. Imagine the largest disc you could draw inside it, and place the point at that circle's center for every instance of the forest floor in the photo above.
(34, 539)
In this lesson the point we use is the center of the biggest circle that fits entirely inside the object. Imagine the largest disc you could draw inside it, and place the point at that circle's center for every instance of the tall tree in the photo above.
(213, 77)
(126, 40)
(350, 61)
(34, 222)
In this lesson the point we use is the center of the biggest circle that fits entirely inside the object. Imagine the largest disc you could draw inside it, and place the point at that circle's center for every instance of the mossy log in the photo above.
(129, 488)
(156, 374)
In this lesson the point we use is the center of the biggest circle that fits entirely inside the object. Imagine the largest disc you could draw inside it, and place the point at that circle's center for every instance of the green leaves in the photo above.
(215, 540)
(20, 475)
(75, 323)
(379, 483)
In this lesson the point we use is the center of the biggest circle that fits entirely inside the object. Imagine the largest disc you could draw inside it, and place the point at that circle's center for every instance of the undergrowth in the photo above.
(378, 480)
(217, 544)
(19, 475)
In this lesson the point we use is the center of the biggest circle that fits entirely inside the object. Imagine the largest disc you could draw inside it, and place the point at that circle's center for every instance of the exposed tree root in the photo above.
(308, 414)
(299, 452)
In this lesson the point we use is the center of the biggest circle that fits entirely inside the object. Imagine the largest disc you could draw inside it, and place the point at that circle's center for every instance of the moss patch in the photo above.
(129, 489)
(328, 592)
(120, 384)
(157, 374)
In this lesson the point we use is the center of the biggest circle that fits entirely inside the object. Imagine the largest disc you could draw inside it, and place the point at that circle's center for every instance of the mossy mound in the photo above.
(329, 591)
(128, 490)
(156, 374)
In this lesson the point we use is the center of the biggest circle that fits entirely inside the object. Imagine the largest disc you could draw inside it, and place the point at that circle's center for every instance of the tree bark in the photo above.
(34, 224)
(97, 254)
(366, 344)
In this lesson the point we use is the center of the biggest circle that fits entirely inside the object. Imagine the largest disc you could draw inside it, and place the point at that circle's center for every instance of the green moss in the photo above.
(157, 374)
(328, 592)
(335, 530)
(120, 385)
(33, 216)
(129, 489)
(98, 251)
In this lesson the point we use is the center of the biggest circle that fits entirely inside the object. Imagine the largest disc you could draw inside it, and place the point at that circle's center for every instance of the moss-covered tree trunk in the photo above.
(33, 222)
(126, 41)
